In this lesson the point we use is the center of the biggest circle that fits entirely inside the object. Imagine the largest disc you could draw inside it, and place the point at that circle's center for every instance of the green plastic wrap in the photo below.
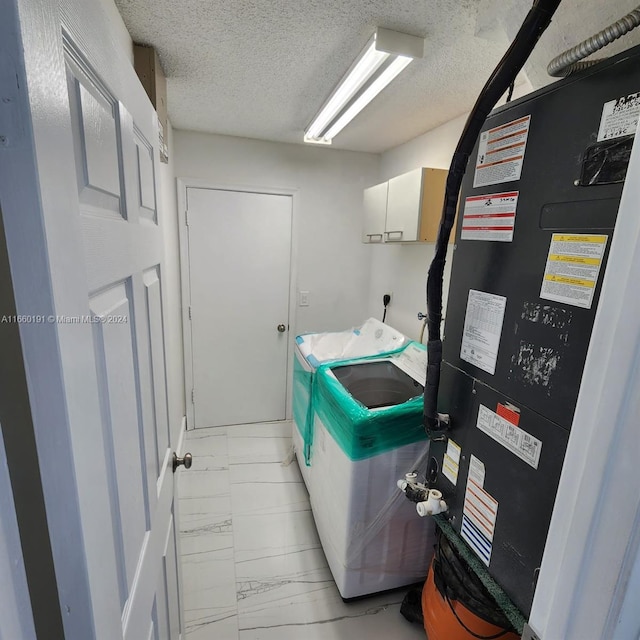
(360, 432)
(302, 380)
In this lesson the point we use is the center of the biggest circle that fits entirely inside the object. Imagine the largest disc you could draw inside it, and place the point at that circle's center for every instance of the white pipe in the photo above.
(433, 505)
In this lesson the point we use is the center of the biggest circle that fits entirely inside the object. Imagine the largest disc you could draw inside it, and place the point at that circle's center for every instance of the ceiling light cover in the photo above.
(385, 55)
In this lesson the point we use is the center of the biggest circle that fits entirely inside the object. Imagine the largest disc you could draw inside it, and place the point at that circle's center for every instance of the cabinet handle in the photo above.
(374, 235)
(388, 234)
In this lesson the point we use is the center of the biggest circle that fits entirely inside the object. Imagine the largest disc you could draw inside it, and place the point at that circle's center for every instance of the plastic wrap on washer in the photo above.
(371, 534)
(373, 337)
(361, 431)
(302, 380)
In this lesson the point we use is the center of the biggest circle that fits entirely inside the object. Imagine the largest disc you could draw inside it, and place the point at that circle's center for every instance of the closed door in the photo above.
(239, 274)
(96, 364)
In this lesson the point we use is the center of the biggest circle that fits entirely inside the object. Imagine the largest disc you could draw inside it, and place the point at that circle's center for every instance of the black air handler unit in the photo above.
(521, 309)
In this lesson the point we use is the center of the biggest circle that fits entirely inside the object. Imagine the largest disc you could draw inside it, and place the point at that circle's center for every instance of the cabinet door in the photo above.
(403, 207)
(375, 213)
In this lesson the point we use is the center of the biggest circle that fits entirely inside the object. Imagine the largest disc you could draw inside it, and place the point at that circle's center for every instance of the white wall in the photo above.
(332, 263)
(402, 269)
(117, 29)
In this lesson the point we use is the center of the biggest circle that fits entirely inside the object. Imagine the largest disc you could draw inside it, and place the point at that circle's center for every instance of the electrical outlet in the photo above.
(303, 299)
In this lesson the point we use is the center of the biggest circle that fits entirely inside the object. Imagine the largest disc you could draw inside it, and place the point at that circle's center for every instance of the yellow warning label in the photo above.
(451, 462)
(574, 281)
(573, 267)
(450, 468)
(557, 237)
(577, 259)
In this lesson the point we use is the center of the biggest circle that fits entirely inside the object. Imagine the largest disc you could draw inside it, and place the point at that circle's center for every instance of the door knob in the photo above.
(281, 328)
(186, 461)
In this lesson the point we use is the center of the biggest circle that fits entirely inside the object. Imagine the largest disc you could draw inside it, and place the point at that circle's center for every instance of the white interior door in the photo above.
(86, 255)
(239, 271)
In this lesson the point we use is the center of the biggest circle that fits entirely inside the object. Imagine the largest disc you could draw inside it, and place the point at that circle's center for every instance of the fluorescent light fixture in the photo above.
(385, 55)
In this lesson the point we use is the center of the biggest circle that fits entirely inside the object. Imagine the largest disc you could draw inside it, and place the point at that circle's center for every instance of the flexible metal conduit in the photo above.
(532, 28)
(570, 61)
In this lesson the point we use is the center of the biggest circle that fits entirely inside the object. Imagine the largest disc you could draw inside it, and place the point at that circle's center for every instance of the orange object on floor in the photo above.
(441, 624)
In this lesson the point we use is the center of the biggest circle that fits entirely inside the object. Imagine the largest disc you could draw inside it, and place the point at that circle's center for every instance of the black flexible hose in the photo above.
(512, 87)
(534, 25)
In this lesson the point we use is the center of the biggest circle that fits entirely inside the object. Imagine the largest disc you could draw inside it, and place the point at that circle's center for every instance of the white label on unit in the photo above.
(572, 269)
(451, 462)
(413, 361)
(510, 436)
(479, 513)
(501, 153)
(476, 470)
(490, 217)
(482, 329)
(619, 117)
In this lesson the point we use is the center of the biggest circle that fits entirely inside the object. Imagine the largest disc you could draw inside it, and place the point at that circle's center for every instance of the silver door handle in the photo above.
(186, 461)
(281, 328)
(388, 234)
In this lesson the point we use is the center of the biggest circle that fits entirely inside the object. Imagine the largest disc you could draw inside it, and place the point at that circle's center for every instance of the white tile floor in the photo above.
(253, 567)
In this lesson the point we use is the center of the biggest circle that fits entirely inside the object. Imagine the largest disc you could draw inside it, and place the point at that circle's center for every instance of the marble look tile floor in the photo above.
(252, 563)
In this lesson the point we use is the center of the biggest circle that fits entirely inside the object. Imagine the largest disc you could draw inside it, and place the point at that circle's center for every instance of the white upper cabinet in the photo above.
(407, 208)
(375, 212)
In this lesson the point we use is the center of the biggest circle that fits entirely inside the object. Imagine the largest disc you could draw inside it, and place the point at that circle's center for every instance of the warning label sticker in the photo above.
(501, 153)
(451, 462)
(490, 217)
(482, 329)
(479, 513)
(619, 117)
(572, 268)
(519, 442)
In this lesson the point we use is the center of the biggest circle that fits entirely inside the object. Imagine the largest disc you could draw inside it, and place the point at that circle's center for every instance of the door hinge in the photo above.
(186, 217)
(189, 312)
(193, 396)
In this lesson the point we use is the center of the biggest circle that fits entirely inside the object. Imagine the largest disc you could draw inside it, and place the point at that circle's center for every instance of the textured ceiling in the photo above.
(263, 68)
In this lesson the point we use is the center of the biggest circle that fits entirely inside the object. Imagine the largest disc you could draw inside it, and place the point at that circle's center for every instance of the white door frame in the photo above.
(198, 183)
(593, 546)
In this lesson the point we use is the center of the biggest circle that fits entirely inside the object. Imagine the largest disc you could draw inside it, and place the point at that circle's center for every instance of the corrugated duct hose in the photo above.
(570, 61)
(534, 25)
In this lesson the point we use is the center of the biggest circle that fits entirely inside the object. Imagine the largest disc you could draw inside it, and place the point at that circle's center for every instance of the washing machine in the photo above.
(314, 349)
(367, 433)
